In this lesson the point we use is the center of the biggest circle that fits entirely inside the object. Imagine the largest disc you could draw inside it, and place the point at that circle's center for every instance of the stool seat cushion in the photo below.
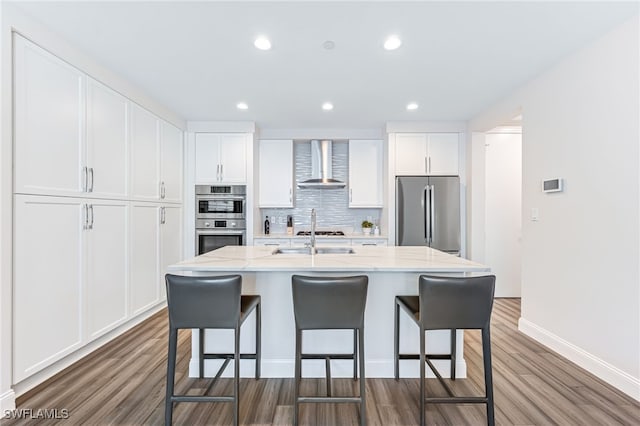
(247, 304)
(411, 304)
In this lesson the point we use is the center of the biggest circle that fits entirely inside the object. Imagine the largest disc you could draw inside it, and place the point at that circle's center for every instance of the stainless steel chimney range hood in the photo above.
(321, 168)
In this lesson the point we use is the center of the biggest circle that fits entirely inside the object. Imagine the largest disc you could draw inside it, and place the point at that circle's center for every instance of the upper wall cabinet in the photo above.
(426, 153)
(107, 141)
(221, 157)
(72, 136)
(365, 173)
(156, 155)
(276, 173)
(145, 155)
(49, 111)
(170, 163)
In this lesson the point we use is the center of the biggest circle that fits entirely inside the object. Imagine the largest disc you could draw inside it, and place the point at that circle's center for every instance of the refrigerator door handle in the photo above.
(432, 215)
(426, 209)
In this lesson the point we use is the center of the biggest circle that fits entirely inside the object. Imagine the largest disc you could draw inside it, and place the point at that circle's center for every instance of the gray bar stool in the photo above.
(330, 303)
(448, 303)
(209, 302)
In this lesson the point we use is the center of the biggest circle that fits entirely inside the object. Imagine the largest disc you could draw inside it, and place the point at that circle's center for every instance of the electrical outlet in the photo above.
(535, 214)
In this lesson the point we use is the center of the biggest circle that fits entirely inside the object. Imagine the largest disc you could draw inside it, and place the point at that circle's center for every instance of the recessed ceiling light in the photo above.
(329, 44)
(392, 42)
(412, 106)
(242, 105)
(262, 43)
(327, 106)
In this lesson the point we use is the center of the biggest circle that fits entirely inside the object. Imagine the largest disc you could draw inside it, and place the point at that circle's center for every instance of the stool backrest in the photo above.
(329, 302)
(204, 302)
(456, 302)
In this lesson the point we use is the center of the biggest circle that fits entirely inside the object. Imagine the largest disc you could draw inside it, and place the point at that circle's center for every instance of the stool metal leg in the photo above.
(201, 352)
(355, 354)
(488, 379)
(236, 377)
(258, 338)
(297, 374)
(396, 341)
(171, 371)
(363, 397)
(422, 362)
(453, 354)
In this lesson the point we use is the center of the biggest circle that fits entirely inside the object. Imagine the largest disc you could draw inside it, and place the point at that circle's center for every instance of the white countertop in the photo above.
(390, 259)
(345, 236)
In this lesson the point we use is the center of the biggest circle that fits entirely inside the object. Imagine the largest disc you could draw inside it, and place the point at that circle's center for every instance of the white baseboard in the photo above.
(596, 366)
(276, 368)
(7, 402)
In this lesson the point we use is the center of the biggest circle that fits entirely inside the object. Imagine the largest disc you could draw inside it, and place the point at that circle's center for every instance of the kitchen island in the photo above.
(391, 271)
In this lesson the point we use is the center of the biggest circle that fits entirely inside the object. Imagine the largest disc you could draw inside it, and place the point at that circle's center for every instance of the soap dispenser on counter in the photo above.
(289, 225)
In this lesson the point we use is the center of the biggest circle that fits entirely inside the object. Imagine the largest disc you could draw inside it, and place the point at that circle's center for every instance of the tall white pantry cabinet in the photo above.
(97, 208)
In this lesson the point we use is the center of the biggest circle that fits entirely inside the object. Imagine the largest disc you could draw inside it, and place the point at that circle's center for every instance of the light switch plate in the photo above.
(535, 214)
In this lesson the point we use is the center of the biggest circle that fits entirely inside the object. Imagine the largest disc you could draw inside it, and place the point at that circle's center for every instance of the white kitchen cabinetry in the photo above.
(369, 242)
(426, 154)
(156, 157)
(170, 241)
(221, 158)
(276, 174)
(170, 163)
(71, 131)
(49, 123)
(106, 265)
(276, 242)
(365, 173)
(47, 281)
(107, 142)
(145, 155)
(144, 257)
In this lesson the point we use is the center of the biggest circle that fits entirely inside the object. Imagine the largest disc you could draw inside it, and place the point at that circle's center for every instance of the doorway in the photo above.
(503, 208)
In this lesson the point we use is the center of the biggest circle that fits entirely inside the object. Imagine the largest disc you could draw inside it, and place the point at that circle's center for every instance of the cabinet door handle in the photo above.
(429, 164)
(85, 211)
(290, 195)
(91, 175)
(426, 166)
(369, 244)
(350, 195)
(162, 190)
(221, 171)
(163, 216)
(217, 171)
(85, 182)
(91, 223)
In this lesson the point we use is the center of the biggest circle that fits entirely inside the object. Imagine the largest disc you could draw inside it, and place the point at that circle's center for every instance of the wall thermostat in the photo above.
(552, 185)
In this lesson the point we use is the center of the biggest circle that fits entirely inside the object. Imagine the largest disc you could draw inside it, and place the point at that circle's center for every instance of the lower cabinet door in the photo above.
(144, 255)
(47, 281)
(170, 242)
(107, 257)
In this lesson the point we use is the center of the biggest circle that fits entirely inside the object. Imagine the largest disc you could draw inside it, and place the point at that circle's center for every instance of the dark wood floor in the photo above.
(124, 383)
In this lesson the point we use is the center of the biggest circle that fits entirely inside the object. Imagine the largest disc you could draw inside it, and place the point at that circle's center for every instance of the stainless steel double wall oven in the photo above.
(220, 216)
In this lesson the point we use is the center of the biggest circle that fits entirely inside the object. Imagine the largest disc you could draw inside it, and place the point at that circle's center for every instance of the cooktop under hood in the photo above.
(321, 169)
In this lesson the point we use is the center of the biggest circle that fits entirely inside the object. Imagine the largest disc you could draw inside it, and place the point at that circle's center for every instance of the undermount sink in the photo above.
(334, 250)
(318, 250)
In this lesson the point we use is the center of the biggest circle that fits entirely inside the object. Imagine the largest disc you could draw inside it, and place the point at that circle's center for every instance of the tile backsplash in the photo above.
(332, 205)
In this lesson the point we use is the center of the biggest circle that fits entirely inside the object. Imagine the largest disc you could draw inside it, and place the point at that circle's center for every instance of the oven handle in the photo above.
(219, 197)
(213, 231)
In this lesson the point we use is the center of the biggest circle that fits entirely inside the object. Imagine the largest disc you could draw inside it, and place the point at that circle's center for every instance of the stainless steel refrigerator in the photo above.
(428, 212)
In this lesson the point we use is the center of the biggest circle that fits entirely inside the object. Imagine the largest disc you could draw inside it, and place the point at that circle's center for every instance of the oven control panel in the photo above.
(220, 224)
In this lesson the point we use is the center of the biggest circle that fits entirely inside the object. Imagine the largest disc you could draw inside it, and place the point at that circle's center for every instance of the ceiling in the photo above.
(456, 58)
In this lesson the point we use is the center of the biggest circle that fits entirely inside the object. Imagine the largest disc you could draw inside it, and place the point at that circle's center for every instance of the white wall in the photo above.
(503, 211)
(581, 276)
